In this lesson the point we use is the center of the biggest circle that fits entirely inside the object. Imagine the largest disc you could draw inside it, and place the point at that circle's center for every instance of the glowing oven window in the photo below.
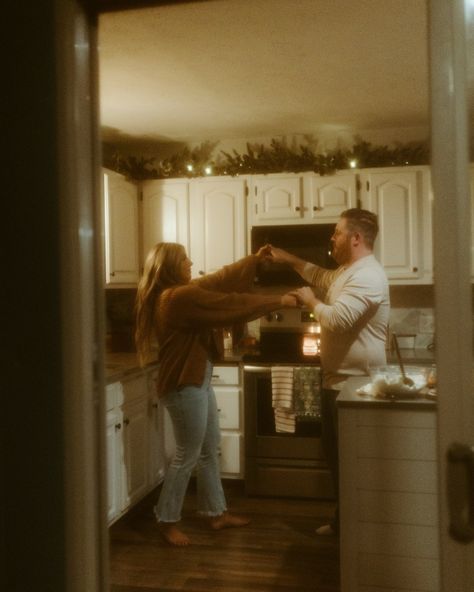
(311, 341)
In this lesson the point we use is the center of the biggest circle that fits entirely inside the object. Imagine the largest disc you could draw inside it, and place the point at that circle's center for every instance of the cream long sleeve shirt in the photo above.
(354, 318)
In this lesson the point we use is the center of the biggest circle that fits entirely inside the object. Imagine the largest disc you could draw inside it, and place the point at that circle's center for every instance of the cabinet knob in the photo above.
(415, 269)
(201, 272)
(112, 273)
(155, 405)
(118, 426)
(317, 208)
(126, 421)
(297, 208)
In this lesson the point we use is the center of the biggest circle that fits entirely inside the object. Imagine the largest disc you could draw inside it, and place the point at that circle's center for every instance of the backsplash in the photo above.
(411, 313)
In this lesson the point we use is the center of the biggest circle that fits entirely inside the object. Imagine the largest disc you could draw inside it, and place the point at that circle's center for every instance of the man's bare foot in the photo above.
(227, 520)
(172, 535)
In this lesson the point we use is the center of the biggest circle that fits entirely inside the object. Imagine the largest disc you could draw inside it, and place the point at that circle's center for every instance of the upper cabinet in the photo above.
(304, 198)
(165, 212)
(401, 198)
(217, 222)
(212, 216)
(328, 196)
(122, 261)
(276, 199)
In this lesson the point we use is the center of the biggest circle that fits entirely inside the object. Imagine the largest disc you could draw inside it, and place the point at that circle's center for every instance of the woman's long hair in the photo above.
(162, 270)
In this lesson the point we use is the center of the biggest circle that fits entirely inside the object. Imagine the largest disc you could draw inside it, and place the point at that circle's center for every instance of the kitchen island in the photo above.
(388, 492)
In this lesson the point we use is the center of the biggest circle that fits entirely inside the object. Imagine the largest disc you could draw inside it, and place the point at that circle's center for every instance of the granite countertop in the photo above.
(119, 365)
(348, 397)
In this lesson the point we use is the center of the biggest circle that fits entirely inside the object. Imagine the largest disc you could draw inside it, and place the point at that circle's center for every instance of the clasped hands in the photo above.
(302, 296)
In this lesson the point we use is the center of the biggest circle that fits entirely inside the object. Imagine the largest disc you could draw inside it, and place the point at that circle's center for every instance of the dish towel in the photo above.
(307, 393)
(282, 399)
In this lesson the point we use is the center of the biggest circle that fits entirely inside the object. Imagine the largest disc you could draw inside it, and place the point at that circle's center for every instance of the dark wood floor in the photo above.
(277, 552)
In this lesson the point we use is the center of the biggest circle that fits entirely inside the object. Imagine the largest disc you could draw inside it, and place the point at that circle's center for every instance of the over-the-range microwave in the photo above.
(310, 242)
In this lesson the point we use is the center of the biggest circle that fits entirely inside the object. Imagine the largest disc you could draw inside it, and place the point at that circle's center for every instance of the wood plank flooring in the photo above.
(277, 552)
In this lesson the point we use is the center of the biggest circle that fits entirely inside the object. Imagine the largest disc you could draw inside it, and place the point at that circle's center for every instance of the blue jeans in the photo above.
(193, 412)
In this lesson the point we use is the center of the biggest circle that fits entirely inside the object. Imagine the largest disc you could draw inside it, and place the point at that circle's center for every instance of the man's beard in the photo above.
(342, 254)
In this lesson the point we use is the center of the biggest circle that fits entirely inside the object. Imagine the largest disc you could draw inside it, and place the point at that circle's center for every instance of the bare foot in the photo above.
(173, 535)
(227, 520)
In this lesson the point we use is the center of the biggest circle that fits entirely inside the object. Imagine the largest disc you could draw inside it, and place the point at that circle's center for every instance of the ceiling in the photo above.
(253, 68)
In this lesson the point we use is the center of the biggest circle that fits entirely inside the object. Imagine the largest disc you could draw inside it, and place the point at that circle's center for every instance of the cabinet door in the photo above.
(135, 443)
(165, 212)
(328, 196)
(217, 223)
(228, 405)
(277, 199)
(121, 229)
(397, 197)
(114, 448)
(230, 453)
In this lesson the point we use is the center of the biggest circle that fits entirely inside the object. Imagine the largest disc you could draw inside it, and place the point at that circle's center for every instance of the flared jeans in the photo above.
(194, 415)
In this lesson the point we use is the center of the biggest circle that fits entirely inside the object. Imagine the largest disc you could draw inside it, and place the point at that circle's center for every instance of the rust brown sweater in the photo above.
(187, 316)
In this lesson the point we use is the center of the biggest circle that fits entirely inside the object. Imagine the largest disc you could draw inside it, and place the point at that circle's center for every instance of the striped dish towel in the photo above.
(282, 398)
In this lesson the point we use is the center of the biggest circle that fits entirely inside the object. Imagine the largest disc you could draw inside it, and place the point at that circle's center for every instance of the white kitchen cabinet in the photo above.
(400, 196)
(388, 500)
(326, 197)
(121, 229)
(305, 198)
(276, 199)
(228, 388)
(136, 459)
(217, 223)
(135, 443)
(114, 447)
(165, 212)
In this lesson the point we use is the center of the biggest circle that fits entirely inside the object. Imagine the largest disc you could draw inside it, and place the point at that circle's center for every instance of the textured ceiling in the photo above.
(247, 68)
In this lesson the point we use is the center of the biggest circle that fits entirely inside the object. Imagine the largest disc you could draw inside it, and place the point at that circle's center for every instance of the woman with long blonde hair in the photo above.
(185, 317)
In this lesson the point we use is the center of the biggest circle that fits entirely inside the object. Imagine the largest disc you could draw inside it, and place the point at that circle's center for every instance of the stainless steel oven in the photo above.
(280, 463)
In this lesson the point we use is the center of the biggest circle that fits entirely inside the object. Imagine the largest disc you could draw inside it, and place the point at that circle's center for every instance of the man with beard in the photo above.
(352, 306)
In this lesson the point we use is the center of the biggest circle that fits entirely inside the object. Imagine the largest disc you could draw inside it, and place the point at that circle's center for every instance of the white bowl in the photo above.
(387, 381)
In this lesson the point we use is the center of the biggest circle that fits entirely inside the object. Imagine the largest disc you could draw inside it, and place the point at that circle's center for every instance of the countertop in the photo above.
(122, 364)
(348, 397)
(119, 365)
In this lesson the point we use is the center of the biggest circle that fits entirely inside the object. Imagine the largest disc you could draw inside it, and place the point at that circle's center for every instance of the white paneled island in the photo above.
(388, 493)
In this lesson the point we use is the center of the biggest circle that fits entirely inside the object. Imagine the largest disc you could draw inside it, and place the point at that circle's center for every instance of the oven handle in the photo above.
(253, 368)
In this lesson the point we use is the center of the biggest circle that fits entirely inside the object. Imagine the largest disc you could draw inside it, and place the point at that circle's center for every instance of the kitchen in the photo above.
(454, 351)
(405, 249)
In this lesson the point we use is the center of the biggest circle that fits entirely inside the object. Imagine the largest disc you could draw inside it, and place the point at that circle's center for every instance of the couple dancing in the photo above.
(185, 317)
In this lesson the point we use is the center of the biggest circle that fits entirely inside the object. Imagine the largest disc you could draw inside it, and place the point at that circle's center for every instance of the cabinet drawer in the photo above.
(228, 405)
(225, 375)
(230, 453)
(132, 389)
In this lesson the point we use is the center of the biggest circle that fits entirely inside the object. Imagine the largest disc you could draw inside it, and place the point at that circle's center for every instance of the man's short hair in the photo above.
(364, 222)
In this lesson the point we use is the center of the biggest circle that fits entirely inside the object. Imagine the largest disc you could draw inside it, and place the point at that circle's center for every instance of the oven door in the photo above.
(280, 464)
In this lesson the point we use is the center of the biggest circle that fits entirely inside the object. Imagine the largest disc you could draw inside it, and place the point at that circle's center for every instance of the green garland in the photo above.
(279, 157)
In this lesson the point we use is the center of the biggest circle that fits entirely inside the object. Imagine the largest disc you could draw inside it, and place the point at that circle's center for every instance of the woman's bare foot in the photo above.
(227, 520)
(172, 535)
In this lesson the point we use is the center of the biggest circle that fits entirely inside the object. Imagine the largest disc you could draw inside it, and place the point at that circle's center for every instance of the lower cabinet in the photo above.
(388, 501)
(136, 458)
(228, 388)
